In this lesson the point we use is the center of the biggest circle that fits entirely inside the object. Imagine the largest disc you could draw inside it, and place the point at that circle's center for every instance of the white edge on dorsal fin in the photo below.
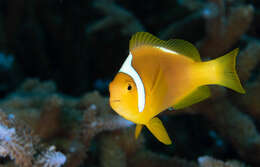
(166, 50)
(129, 70)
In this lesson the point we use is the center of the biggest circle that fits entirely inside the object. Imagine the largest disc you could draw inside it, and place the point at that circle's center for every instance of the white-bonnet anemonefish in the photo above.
(161, 74)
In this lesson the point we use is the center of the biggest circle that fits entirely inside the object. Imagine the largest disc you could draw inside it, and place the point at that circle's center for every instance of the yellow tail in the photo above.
(222, 71)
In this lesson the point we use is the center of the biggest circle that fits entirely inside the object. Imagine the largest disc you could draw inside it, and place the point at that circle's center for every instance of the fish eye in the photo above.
(129, 87)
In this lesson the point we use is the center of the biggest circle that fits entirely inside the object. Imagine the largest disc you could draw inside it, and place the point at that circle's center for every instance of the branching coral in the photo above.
(50, 158)
(250, 102)
(97, 118)
(237, 127)
(225, 111)
(51, 109)
(228, 113)
(19, 143)
(145, 158)
(117, 147)
(85, 117)
(116, 15)
(222, 30)
(77, 154)
(173, 29)
(16, 141)
(207, 161)
(248, 60)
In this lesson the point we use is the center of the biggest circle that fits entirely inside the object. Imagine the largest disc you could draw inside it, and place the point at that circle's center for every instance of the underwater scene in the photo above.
(129, 83)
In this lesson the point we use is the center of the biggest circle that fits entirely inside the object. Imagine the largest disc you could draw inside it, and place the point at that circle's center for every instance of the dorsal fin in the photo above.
(176, 45)
(184, 47)
(144, 38)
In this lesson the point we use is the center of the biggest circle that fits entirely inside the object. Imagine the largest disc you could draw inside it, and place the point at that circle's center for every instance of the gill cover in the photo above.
(129, 70)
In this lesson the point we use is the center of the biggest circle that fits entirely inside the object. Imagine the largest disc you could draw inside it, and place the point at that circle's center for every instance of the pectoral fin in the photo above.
(156, 127)
(138, 130)
(196, 96)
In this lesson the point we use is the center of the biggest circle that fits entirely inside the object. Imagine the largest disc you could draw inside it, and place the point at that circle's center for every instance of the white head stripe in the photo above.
(167, 50)
(128, 69)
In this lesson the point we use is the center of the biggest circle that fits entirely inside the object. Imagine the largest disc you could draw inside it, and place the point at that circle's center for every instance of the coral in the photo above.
(145, 158)
(51, 109)
(248, 63)
(77, 154)
(85, 117)
(250, 102)
(117, 147)
(16, 141)
(248, 60)
(222, 30)
(225, 111)
(50, 158)
(207, 161)
(97, 118)
(115, 15)
(228, 113)
(34, 86)
(237, 127)
(19, 143)
(111, 154)
(176, 27)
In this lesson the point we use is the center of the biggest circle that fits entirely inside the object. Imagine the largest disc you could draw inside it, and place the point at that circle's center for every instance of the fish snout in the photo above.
(113, 94)
(112, 88)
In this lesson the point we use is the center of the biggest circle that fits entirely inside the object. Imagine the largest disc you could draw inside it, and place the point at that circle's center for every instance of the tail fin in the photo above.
(222, 71)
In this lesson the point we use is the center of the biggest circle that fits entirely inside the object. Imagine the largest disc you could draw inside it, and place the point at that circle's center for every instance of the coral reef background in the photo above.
(58, 56)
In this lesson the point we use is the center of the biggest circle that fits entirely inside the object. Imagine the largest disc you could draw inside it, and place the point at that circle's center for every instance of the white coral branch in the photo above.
(51, 158)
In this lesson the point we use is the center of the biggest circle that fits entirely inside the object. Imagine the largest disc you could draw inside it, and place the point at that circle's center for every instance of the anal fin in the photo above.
(157, 129)
(196, 96)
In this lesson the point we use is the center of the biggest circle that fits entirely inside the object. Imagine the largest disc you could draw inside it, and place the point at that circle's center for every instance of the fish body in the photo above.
(160, 74)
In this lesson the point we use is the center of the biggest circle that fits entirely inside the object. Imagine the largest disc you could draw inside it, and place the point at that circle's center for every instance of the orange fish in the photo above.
(161, 74)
